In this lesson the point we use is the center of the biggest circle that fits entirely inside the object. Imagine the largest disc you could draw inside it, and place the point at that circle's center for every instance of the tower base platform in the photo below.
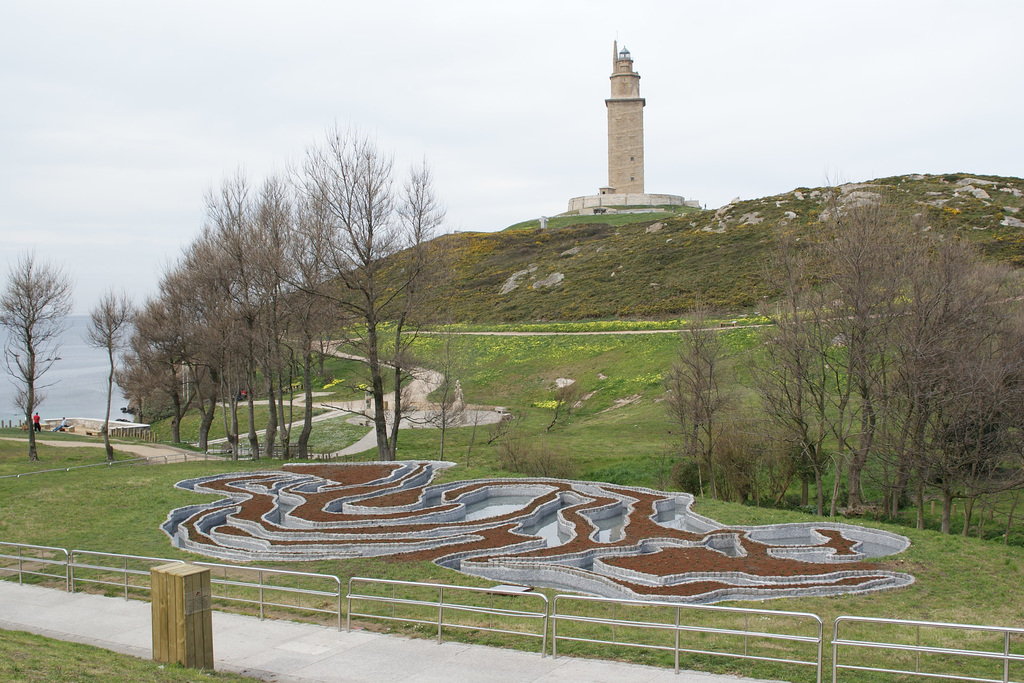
(620, 203)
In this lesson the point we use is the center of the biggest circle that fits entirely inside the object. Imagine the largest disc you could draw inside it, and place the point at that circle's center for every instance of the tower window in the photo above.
(631, 178)
(631, 159)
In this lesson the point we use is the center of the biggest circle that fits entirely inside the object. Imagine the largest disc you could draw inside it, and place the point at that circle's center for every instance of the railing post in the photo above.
(260, 575)
(544, 624)
(440, 612)
(126, 578)
(677, 639)
(20, 565)
(835, 649)
(348, 606)
(821, 639)
(554, 629)
(1006, 657)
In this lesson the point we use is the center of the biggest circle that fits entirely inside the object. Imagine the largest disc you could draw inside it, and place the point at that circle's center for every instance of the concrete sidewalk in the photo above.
(286, 651)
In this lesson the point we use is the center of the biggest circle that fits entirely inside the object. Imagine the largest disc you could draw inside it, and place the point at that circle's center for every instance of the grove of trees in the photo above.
(335, 255)
(894, 364)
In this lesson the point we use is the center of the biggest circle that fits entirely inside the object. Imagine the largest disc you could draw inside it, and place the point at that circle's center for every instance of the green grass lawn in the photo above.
(31, 658)
(120, 509)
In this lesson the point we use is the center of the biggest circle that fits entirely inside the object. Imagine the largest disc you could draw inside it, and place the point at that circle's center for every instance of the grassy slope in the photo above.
(625, 445)
(622, 270)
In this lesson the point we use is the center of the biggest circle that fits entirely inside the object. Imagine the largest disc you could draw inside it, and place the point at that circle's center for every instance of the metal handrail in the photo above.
(263, 586)
(441, 604)
(21, 558)
(73, 564)
(1005, 656)
(677, 627)
(72, 561)
(175, 457)
(126, 461)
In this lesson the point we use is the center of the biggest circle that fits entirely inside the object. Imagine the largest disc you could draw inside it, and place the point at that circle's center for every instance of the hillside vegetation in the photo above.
(657, 265)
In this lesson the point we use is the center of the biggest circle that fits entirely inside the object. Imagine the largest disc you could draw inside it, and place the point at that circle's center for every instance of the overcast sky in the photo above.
(117, 116)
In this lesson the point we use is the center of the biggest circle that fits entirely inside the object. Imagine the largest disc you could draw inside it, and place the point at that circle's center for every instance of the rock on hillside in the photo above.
(659, 265)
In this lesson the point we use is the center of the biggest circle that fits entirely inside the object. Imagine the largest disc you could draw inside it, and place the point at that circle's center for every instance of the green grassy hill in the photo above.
(656, 265)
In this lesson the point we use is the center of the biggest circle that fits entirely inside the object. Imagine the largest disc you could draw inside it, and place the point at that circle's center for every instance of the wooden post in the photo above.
(182, 615)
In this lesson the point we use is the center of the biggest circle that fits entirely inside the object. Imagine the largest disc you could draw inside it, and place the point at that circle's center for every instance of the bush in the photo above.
(686, 476)
(534, 459)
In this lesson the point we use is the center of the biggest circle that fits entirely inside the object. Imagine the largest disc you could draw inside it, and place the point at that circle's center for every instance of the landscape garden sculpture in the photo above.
(609, 540)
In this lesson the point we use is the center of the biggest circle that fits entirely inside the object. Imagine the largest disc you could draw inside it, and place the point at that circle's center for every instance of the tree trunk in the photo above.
(254, 440)
(106, 420)
(836, 486)
(380, 423)
(397, 414)
(307, 414)
(176, 422)
(285, 422)
(968, 513)
(206, 416)
(33, 454)
(947, 507)
(920, 505)
(819, 493)
(271, 433)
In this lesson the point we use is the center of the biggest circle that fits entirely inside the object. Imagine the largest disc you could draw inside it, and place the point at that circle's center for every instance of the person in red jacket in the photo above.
(35, 423)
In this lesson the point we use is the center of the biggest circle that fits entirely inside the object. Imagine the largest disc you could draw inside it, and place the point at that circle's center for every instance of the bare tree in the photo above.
(33, 308)
(230, 217)
(795, 378)
(450, 407)
(108, 328)
(696, 397)
(348, 183)
(566, 396)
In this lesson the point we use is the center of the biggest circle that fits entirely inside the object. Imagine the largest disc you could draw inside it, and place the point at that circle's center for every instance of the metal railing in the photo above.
(116, 570)
(34, 563)
(445, 606)
(676, 627)
(126, 461)
(917, 649)
(166, 459)
(95, 572)
(263, 588)
(931, 658)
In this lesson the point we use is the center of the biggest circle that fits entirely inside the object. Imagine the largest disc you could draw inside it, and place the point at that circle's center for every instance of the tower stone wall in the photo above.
(625, 127)
(625, 190)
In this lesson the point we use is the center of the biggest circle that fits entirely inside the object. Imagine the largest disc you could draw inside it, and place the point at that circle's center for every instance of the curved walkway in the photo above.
(285, 651)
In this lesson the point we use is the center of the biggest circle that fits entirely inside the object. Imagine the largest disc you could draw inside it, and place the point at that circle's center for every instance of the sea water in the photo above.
(76, 385)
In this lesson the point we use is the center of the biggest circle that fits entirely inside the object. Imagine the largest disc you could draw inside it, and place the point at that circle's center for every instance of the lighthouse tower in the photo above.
(625, 191)
(625, 127)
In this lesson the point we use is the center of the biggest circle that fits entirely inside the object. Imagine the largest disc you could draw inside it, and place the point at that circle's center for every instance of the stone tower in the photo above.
(625, 127)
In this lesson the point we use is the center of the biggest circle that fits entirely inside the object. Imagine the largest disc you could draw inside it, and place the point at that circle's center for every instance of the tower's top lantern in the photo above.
(624, 54)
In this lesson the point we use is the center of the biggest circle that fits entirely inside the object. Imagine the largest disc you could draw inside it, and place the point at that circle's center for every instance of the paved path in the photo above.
(302, 653)
(164, 452)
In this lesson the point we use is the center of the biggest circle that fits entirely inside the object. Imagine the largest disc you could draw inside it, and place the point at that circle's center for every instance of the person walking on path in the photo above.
(35, 423)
